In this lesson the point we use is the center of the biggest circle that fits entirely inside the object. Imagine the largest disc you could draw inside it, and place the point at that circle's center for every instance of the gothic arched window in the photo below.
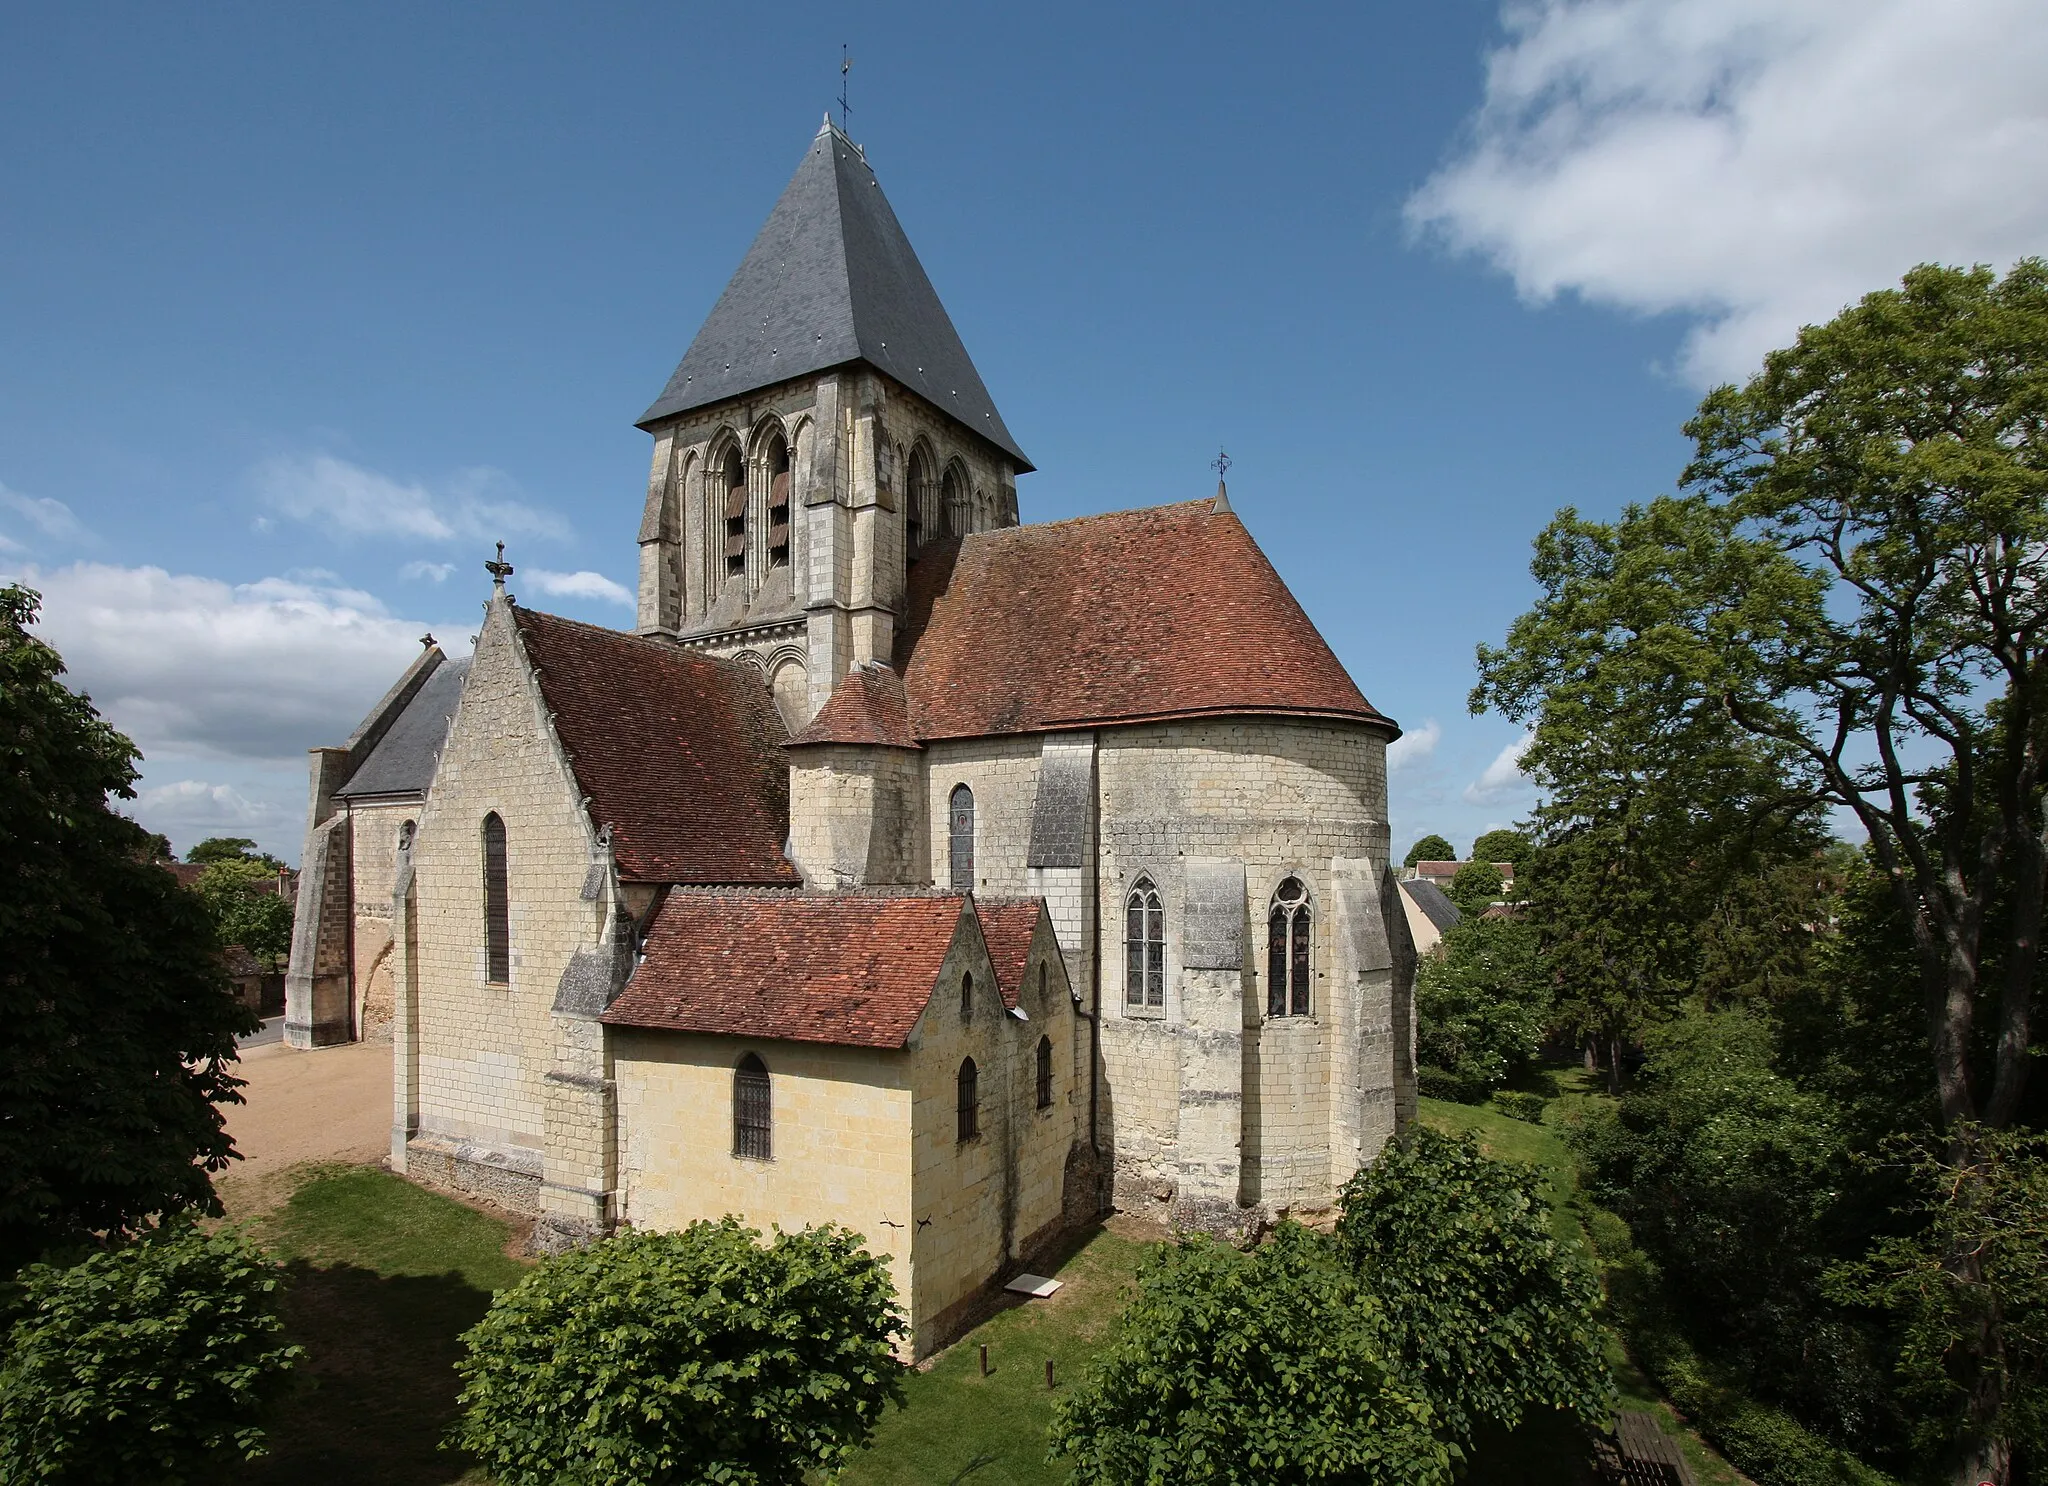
(919, 498)
(497, 905)
(1144, 946)
(1044, 1072)
(960, 838)
(954, 495)
(734, 480)
(966, 995)
(1287, 951)
(751, 1114)
(968, 1108)
(778, 503)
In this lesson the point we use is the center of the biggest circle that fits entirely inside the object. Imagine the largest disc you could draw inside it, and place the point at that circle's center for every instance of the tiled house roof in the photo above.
(869, 706)
(1140, 615)
(680, 754)
(854, 969)
(1007, 928)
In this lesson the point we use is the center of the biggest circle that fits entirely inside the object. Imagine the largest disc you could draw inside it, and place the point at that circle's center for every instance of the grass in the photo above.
(384, 1277)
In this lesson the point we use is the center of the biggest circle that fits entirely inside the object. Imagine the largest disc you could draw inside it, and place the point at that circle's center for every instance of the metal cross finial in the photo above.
(499, 570)
(845, 66)
(1221, 463)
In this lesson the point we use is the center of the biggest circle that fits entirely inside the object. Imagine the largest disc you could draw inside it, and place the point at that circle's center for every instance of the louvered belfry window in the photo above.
(969, 1108)
(1287, 938)
(497, 905)
(735, 514)
(1044, 1072)
(778, 505)
(1144, 947)
(961, 838)
(750, 1110)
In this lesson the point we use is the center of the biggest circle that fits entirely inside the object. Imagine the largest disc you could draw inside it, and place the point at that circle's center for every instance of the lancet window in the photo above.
(1144, 946)
(968, 1105)
(497, 905)
(1287, 945)
(1044, 1072)
(954, 495)
(752, 1136)
(778, 503)
(733, 478)
(919, 499)
(960, 838)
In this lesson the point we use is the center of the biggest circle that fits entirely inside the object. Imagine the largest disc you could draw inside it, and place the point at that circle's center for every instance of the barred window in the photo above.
(497, 907)
(970, 1101)
(1287, 938)
(1044, 1072)
(1144, 946)
(750, 1110)
(960, 838)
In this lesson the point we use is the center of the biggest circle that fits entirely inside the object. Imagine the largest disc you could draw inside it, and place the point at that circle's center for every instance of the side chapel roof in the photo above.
(832, 279)
(1008, 926)
(404, 759)
(855, 969)
(868, 706)
(1134, 616)
(680, 754)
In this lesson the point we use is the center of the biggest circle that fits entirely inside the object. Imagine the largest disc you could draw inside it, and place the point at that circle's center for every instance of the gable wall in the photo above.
(373, 859)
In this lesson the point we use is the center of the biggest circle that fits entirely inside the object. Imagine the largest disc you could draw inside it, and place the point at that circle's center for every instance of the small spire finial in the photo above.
(1220, 464)
(427, 640)
(499, 571)
(845, 66)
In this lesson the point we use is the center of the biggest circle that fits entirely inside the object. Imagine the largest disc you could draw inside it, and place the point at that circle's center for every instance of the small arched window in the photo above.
(778, 503)
(1044, 1072)
(919, 499)
(405, 837)
(1144, 946)
(969, 1105)
(750, 1110)
(960, 837)
(966, 995)
(954, 495)
(733, 478)
(1287, 951)
(497, 905)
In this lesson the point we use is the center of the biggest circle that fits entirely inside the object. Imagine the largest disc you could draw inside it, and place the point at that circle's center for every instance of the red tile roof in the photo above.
(680, 754)
(1138, 615)
(1007, 928)
(855, 969)
(869, 706)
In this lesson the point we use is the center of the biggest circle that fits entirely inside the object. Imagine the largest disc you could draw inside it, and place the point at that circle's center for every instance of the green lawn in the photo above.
(384, 1279)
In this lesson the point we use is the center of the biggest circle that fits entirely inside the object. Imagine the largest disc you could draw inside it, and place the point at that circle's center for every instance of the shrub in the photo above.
(1518, 1105)
(1266, 1367)
(152, 1361)
(1487, 1313)
(704, 1355)
(1475, 887)
(1479, 1009)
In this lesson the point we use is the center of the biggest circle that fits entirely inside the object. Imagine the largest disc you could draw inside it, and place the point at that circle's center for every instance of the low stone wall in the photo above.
(509, 1178)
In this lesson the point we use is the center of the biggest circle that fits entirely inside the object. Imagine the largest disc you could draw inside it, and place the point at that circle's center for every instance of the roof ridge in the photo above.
(1187, 506)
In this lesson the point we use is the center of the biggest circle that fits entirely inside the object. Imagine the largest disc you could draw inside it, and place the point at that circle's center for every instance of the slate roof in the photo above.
(854, 969)
(832, 279)
(1008, 926)
(680, 754)
(404, 759)
(1170, 611)
(1431, 899)
(868, 707)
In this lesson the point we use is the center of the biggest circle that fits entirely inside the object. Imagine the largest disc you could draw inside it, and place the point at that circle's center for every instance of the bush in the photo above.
(1517, 1105)
(704, 1355)
(1266, 1367)
(1487, 1313)
(1479, 1009)
(153, 1361)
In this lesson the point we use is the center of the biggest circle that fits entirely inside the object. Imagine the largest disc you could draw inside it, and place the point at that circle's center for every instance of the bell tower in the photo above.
(824, 429)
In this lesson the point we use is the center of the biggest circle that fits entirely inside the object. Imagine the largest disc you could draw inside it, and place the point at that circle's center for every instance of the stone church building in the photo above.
(907, 867)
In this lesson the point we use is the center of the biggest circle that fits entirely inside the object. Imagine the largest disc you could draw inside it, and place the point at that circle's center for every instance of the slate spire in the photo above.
(831, 279)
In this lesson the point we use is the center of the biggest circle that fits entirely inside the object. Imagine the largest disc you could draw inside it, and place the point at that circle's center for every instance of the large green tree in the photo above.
(1855, 581)
(1431, 848)
(120, 1026)
(1480, 1008)
(1503, 845)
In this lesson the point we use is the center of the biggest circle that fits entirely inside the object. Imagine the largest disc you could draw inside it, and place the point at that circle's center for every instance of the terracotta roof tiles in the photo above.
(869, 706)
(1007, 928)
(680, 754)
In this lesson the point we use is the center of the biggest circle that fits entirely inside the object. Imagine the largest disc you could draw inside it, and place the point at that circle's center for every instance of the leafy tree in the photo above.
(154, 1360)
(1475, 887)
(120, 1025)
(1431, 848)
(241, 895)
(703, 1355)
(1512, 847)
(1486, 1311)
(230, 849)
(1480, 1006)
(1241, 1368)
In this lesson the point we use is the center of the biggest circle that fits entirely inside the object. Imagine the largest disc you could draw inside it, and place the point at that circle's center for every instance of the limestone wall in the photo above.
(373, 860)
(857, 817)
(479, 1051)
(1003, 773)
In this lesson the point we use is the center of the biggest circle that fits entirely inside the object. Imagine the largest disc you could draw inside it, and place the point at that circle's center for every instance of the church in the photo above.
(906, 866)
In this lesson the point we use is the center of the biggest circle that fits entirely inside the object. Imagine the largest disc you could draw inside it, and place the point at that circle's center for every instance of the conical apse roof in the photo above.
(832, 279)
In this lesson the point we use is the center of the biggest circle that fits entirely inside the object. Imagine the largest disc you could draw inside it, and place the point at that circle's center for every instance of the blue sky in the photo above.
(301, 307)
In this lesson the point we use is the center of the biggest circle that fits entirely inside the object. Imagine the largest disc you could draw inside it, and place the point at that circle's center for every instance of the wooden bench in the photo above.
(1641, 1454)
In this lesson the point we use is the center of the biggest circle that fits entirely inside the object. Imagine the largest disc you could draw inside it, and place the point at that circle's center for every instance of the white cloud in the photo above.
(50, 519)
(579, 585)
(347, 500)
(195, 809)
(437, 571)
(1415, 747)
(1754, 164)
(1503, 778)
(196, 668)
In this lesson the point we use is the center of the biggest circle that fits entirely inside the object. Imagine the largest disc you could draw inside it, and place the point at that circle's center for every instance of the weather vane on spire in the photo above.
(1221, 463)
(499, 570)
(845, 66)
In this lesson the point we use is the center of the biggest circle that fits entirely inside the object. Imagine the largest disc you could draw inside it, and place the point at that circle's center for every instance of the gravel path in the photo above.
(329, 1105)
